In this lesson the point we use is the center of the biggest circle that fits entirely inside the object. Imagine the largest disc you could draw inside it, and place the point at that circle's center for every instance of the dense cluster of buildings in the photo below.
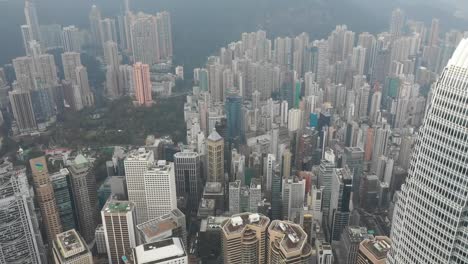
(38, 91)
(350, 149)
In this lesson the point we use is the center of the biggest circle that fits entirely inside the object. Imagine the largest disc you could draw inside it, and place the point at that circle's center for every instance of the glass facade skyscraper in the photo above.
(430, 222)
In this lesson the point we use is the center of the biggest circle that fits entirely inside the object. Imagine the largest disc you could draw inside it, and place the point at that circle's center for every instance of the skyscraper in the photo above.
(434, 195)
(71, 39)
(215, 146)
(325, 179)
(145, 39)
(23, 112)
(160, 189)
(27, 38)
(233, 108)
(96, 27)
(353, 158)
(340, 202)
(31, 20)
(85, 196)
(63, 197)
(70, 248)
(188, 176)
(397, 21)
(164, 35)
(45, 197)
(20, 239)
(142, 81)
(136, 164)
(118, 220)
(243, 238)
(70, 61)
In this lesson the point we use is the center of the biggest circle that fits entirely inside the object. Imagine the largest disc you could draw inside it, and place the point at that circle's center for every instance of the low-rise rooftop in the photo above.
(160, 251)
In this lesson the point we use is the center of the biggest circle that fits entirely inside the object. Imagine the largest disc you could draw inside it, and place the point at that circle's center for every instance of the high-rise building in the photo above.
(164, 35)
(353, 158)
(276, 188)
(145, 39)
(23, 112)
(82, 90)
(349, 244)
(293, 200)
(340, 203)
(434, 34)
(63, 196)
(114, 85)
(168, 251)
(108, 31)
(70, 61)
(233, 105)
(437, 177)
(85, 196)
(325, 179)
(136, 164)
(287, 243)
(27, 38)
(96, 27)
(397, 22)
(215, 147)
(243, 238)
(71, 39)
(235, 197)
(374, 251)
(188, 176)
(31, 19)
(70, 248)
(143, 86)
(172, 224)
(160, 189)
(118, 219)
(45, 197)
(20, 239)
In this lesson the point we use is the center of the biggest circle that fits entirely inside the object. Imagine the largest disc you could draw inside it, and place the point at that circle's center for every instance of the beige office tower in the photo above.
(45, 197)
(118, 219)
(243, 238)
(70, 248)
(287, 243)
(215, 146)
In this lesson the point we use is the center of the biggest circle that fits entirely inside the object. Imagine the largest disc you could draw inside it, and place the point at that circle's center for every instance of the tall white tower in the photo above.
(430, 217)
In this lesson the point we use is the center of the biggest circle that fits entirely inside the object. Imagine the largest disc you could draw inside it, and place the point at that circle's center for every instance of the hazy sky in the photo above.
(202, 26)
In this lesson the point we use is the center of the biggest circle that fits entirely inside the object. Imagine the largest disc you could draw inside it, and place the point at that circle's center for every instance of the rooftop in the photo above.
(213, 187)
(69, 244)
(214, 136)
(377, 247)
(159, 251)
(161, 166)
(161, 226)
(114, 207)
(140, 154)
(237, 223)
(294, 237)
